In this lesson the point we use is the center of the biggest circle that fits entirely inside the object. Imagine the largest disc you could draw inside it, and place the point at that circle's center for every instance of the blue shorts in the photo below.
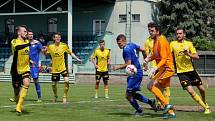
(34, 72)
(134, 83)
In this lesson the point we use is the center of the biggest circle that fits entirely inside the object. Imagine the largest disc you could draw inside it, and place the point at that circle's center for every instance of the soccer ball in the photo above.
(131, 70)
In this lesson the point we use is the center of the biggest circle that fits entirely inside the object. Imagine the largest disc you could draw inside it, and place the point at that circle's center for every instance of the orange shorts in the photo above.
(163, 76)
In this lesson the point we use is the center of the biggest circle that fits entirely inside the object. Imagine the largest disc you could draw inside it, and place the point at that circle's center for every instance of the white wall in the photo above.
(139, 31)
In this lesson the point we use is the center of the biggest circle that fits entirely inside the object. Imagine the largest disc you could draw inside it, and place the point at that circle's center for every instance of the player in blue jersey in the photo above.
(133, 82)
(34, 65)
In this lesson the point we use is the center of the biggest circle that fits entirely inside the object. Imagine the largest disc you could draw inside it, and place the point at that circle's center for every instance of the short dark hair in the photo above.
(121, 36)
(152, 24)
(56, 33)
(101, 41)
(30, 30)
(181, 28)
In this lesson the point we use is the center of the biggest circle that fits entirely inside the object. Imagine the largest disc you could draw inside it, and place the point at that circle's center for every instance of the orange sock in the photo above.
(159, 95)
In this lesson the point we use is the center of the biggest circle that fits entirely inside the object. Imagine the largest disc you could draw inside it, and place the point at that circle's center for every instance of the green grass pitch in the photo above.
(83, 107)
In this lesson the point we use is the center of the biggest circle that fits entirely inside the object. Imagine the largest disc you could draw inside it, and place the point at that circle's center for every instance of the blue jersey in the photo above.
(34, 53)
(130, 53)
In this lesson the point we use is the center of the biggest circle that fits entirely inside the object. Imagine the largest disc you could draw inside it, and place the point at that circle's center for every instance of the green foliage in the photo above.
(203, 44)
(196, 16)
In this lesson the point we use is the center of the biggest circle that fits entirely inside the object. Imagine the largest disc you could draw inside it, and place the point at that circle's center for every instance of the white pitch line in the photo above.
(34, 104)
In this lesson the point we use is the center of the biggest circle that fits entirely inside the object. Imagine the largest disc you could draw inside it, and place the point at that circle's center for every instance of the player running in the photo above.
(133, 82)
(160, 74)
(184, 53)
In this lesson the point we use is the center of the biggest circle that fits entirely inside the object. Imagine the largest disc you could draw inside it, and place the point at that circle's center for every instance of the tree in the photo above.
(196, 16)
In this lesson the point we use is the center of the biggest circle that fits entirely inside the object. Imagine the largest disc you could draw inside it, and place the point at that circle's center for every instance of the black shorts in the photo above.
(16, 80)
(190, 78)
(56, 76)
(103, 75)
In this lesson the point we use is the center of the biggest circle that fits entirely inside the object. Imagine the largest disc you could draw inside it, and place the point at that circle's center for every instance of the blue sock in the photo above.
(37, 86)
(134, 103)
(141, 98)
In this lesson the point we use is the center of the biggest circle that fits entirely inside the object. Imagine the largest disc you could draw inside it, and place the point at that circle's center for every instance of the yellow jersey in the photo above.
(183, 62)
(102, 59)
(57, 55)
(21, 58)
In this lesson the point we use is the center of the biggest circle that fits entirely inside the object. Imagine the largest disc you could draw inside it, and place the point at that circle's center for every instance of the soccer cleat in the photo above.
(12, 99)
(138, 113)
(106, 96)
(18, 113)
(159, 108)
(207, 111)
(167, 108)
(64, 100)
(55, 99)
(96, 96)
(39, 101)
(167, 115)
(153, 105)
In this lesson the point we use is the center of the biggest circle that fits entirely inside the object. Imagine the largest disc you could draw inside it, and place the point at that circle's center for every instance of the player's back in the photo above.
(130, 53)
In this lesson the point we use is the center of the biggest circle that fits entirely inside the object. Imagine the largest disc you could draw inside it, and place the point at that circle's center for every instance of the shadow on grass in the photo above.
(146, 115)
(24, 112)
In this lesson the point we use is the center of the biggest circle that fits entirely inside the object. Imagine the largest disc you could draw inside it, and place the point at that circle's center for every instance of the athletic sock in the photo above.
(134, 103)
(198, 99)
(141, 98)
(159, 95)
(66, 89)
(54, 89)
(37, 86)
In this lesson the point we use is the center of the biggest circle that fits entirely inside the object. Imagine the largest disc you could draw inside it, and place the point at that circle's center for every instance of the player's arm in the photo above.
(128, 62)
(74, 56)
(191, 52)
(93, 60)
(19, 47)
(127, 55)
(108, 61)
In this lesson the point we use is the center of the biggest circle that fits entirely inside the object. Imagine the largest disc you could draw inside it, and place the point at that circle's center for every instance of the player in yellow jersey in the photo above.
(101, 60)
(21, 65)
(149, 43)
(184, 53)
(57, 50)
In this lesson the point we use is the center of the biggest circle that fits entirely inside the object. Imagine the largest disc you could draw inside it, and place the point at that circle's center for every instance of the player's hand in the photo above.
(152, 72)
(114, 68)
(96, 66)
(34, 42)
(186, 52)
(79, 60)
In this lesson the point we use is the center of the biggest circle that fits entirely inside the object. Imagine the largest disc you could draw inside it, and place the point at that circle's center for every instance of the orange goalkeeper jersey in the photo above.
(162, 54)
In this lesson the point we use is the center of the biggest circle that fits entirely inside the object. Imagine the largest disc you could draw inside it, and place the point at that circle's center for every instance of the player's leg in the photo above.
(55, 79)
(65, 74)
(35, 75)
(23, 92)
(98, 78)
(17, 84)
(106, 86)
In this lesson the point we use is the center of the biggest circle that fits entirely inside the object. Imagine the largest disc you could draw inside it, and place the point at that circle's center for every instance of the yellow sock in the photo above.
(66, 89)
(106, 91)
(198, 99)
(54, 89)
(23, 94)
(166, 93)
(96, 90)
(159, 95)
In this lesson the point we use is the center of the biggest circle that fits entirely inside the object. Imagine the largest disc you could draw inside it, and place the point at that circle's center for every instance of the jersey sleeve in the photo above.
(171, 46)
(67, 49)
(94, 54)
(127, 55)
(40, 46)
(48, 50)
(163, 52)
(192, 48)
(108, 54)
